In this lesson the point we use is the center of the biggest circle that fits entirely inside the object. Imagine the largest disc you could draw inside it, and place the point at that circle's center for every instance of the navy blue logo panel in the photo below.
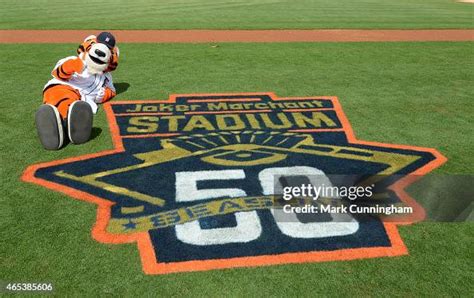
(192, 180)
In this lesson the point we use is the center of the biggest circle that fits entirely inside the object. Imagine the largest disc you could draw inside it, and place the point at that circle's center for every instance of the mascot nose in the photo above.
(100, 53)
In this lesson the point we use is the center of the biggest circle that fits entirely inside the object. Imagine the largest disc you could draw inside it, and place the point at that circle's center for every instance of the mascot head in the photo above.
(97, 58)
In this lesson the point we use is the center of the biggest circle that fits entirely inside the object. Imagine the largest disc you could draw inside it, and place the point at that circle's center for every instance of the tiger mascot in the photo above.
(79, 83)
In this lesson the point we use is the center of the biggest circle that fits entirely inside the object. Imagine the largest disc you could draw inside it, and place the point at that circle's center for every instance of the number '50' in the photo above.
(248, 226)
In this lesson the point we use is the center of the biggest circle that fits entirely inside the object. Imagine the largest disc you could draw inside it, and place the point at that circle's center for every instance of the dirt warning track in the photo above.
(207, 36)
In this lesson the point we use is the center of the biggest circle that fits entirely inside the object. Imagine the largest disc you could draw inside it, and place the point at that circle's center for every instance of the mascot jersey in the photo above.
(72, 71)
(72, 81)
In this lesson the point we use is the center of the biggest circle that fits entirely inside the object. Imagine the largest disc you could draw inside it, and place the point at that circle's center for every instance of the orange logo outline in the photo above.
(144, 243)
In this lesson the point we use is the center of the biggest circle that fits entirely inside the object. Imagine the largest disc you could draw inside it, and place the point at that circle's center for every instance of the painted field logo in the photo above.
(190, 180)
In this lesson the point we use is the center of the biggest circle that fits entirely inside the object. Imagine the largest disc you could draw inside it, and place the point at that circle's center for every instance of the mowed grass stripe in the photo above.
(229, 14)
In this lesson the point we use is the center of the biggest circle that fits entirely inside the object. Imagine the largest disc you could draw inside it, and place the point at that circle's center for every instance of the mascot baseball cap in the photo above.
(106, 38)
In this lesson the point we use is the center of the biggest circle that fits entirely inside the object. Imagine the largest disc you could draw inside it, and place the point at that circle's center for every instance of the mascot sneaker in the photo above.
(49, 127)
(79, 122)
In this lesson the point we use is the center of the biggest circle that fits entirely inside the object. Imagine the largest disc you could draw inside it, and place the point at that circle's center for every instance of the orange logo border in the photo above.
(147, 253)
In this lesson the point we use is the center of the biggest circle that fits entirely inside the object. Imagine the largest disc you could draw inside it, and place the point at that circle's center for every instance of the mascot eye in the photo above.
(99, 53)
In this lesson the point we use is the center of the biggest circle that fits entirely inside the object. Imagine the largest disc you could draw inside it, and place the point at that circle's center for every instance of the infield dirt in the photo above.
(205, 36)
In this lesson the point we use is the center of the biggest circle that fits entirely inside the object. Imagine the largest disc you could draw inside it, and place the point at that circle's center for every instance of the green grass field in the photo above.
(231, 14)
(405, 93)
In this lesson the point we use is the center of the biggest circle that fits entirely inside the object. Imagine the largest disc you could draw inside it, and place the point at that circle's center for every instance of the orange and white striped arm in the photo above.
(65, 70)
(108, 95)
